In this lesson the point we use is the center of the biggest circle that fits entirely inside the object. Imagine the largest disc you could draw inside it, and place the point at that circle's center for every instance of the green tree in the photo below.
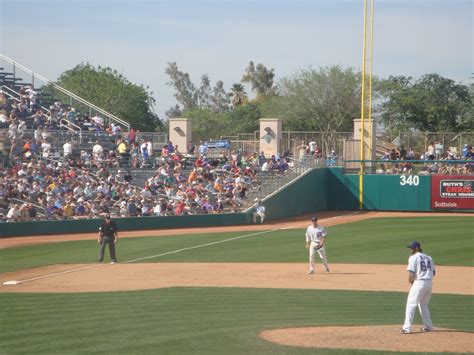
(111, 91)
(204, 92)
(206, 123)
(238, 95)
(325, 99)
(185, 91)
(260, 79)
(220, 100)
(244, 119)
(431, 103)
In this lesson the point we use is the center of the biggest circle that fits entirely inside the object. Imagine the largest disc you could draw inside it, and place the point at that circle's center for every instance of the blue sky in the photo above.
(220, 37)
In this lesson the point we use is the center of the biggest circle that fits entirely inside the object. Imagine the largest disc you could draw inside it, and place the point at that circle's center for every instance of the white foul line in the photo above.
(167, 253)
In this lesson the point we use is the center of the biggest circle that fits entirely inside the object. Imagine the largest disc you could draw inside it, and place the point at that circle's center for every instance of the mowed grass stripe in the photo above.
(382, 240)
(207, 320)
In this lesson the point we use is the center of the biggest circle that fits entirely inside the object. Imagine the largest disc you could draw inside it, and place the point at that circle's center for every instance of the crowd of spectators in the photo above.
(435, 160)
(85, 185)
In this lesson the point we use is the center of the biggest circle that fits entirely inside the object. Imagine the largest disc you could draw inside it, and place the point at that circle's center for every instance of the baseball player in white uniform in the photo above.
(259, 211)
(315, 240)
(421, 271)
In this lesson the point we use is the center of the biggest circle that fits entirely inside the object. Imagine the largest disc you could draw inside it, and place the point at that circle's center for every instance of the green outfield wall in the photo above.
(123, 224)
(380, 192)
(304, 195)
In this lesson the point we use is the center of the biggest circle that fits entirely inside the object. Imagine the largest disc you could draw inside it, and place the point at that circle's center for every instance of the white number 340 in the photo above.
(411, 180)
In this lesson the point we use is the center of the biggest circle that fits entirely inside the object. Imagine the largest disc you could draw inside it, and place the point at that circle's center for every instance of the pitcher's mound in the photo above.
(384, 337)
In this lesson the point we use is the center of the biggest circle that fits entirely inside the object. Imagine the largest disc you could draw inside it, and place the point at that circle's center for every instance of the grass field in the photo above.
(226, 320)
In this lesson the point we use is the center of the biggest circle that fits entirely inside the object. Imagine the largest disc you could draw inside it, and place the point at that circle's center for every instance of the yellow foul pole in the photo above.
(366, 94)
(371, 57)
(362, 112)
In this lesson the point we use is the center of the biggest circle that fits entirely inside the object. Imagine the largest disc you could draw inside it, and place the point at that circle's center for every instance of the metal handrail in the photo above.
(66, 124)
(9, 94)
(42, 208)
(67, 92)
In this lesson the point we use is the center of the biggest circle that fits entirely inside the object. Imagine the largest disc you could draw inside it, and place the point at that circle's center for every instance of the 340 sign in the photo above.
(410, 180)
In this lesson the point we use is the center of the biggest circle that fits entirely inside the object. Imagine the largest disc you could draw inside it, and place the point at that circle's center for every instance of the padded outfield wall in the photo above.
(381, 192)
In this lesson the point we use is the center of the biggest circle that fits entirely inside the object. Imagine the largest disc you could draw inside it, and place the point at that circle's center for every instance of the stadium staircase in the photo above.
(48, 92)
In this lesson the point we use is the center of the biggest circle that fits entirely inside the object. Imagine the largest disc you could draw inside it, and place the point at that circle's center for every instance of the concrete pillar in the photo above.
(369, 141)
(180, 133)
(270, 136)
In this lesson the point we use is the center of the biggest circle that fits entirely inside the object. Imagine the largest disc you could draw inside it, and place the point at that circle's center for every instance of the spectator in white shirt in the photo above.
(67, 149)
(97, 150)
(46, 147)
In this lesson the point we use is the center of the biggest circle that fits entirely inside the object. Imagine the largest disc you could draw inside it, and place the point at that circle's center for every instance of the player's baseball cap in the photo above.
(314, 218)
(414, 244)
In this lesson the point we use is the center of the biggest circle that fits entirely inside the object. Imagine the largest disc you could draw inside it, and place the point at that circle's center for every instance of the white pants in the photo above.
(322, 256)
(419, 296)
(258, 214)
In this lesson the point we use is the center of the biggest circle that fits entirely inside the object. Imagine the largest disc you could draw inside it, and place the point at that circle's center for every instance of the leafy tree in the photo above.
(220, 101)
(325, 99)
(260, 78)
(185, 91)
(174, 111)
(244, 119)
(111, 91)
(238, 95)
(431, 103)
(204, 92)
(206, 123)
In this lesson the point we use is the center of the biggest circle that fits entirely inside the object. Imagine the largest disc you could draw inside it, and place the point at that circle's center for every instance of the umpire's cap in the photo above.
(107, 216)
(414, 244)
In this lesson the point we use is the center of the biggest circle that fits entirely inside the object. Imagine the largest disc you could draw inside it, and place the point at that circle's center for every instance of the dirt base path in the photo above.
(384, 338)
(329, 218)
(125, 277)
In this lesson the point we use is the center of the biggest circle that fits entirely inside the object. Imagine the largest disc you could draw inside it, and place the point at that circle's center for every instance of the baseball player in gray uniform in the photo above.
(421, 270)
(315, 240)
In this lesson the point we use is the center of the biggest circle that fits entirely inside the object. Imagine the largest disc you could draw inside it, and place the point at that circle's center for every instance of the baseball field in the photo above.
(234, 290)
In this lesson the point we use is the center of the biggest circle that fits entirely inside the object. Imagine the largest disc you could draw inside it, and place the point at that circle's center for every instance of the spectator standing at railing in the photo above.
(302, 149)
(403, 152)
(431, 151)
(439, 149)
(313, 146)
(202, 148)
(67, 149)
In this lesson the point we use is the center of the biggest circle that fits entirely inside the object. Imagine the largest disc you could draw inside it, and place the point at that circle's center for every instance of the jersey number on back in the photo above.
(425, 265)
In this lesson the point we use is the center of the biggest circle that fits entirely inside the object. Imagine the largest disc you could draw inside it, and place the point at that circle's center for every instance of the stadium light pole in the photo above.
(366, 92)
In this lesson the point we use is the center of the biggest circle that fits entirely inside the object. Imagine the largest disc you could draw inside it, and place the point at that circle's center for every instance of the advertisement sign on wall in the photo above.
(452, 192)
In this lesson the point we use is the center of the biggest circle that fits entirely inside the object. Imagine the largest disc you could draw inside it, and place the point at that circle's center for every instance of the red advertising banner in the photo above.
(452, 192)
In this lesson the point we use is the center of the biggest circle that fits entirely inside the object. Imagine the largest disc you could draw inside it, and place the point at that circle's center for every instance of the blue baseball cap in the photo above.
(414, 244)
(314, 218)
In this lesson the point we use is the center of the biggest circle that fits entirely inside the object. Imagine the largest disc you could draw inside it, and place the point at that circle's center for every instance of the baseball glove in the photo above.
(317, 247)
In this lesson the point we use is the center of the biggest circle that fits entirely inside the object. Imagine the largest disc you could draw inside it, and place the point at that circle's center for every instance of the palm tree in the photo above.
(238, 94)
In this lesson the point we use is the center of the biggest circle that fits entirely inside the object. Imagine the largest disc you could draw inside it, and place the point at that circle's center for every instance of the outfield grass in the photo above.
(450, 240)
(226, 320)
(198, 320)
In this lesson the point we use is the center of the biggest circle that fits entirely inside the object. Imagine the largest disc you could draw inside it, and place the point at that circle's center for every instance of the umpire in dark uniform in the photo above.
(108, 235)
